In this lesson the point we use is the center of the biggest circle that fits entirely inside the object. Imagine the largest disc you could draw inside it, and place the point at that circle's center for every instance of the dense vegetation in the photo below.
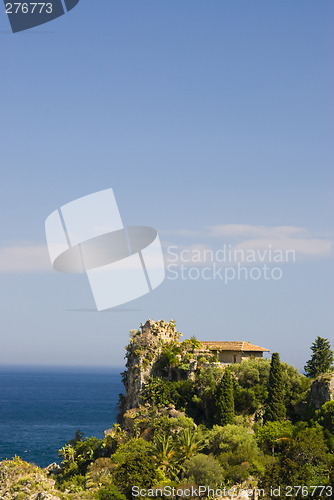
(251, 426)
(321, 360)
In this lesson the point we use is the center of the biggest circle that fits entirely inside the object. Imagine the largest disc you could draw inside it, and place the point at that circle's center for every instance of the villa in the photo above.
(233, 351)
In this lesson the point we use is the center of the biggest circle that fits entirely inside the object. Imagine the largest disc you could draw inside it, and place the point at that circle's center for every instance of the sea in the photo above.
(41, 408)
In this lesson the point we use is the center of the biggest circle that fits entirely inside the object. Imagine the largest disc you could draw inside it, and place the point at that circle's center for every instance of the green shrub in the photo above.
(109, 492)
(138, 469)
(203, 470)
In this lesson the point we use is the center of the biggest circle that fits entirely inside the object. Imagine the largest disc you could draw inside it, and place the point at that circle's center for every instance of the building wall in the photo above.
(235, 356)
(255, 354)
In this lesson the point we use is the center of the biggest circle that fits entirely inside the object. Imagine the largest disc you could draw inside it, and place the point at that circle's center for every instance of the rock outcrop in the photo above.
(53, 468)
(155, 350)
(20, 480)
(142, 354)
(322, 390)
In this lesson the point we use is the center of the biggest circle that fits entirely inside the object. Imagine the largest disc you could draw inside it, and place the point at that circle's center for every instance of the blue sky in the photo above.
(200, 115)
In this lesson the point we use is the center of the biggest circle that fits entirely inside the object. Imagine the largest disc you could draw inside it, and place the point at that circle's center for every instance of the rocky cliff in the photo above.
(155, 350)
(322, 390)
(20, 480)
(142, 354)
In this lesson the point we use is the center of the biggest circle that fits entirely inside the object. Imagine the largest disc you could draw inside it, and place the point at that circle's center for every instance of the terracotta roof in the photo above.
(232, 346)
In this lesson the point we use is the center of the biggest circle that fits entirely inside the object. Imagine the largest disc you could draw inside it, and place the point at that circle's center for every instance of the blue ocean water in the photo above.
(40, 409)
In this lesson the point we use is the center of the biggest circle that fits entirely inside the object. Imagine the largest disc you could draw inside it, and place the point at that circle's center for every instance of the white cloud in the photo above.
(284, 238)
(258, 239)
(28, 257)
(249, 231)
(24, 258)
(311, 247)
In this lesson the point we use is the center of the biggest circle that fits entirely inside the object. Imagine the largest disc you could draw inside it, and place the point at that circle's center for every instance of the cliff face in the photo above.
(142, 355)
(322, 390)
(156, 351)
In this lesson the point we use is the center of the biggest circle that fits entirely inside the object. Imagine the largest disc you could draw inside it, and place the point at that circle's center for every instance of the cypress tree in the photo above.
(321, 360)
(275, 408)
(225, 399)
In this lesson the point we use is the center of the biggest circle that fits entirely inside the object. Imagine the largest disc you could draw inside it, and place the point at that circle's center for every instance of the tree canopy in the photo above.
(275, 408)
(321, 360)
(225, 399)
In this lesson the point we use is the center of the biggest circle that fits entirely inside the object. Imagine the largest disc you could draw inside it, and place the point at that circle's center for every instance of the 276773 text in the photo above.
(28, 8)
(302, 491)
